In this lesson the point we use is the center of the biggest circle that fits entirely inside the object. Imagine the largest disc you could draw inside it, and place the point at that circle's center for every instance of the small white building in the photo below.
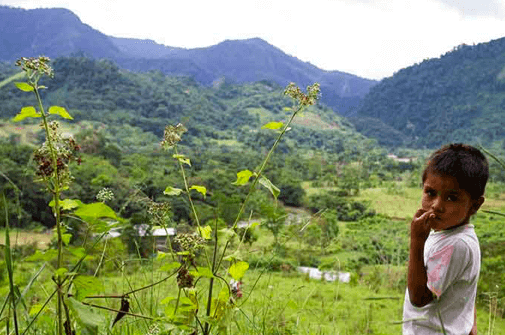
(160, 235)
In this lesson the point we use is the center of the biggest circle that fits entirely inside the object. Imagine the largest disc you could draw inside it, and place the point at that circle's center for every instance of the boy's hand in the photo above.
(419, 294)
(420, 226)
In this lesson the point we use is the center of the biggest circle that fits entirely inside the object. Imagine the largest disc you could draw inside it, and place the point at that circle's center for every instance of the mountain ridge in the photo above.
(240, 61)
(458, 97)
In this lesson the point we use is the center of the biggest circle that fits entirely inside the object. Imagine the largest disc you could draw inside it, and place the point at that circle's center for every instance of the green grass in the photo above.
(273, 302)
(395, 203)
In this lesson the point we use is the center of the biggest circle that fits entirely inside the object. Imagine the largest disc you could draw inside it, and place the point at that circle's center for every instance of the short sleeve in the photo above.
(446, 265)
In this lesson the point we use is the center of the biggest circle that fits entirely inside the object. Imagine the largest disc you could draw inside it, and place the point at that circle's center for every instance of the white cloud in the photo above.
(369, 38)
(487, 8)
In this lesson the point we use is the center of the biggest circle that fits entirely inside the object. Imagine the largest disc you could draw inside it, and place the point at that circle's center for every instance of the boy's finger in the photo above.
(419, 212)
(425, 216)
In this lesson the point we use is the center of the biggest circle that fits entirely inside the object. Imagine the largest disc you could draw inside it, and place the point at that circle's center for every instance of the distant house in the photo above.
(159, 234)
(402, 160)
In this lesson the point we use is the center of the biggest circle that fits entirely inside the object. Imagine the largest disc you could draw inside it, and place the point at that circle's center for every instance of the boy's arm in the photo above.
(419, 293)
(474, 328)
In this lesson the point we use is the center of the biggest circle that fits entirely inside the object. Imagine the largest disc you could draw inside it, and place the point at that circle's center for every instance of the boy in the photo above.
(444, 259)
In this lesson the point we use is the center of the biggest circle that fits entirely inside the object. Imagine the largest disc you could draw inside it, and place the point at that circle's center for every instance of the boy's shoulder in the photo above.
(457, 240)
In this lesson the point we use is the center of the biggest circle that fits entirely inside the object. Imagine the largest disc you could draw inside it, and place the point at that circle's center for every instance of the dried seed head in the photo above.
(39, 65)
(159, 212)
(184, 278)
(303, 99)
(172, 135)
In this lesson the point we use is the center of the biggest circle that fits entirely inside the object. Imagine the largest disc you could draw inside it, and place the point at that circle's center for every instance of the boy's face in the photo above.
(451, 205)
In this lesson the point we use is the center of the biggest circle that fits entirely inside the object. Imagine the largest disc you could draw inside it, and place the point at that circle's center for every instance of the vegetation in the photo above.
(457, 97)
(328, 198)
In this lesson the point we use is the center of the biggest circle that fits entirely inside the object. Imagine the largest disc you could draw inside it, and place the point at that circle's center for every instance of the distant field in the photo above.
(25, 237)
(28, 132)
(306, 119)
(401, 204)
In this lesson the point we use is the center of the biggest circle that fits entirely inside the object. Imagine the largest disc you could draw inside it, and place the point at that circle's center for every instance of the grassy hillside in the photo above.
(101, 92)
(457, 97)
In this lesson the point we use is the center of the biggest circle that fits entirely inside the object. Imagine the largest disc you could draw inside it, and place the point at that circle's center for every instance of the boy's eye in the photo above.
(452, 197)
(431, 193)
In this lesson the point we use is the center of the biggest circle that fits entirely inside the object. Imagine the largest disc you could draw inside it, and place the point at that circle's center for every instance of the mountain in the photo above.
(135, 108)
(51, 32)
(457, 97)
(59, 32)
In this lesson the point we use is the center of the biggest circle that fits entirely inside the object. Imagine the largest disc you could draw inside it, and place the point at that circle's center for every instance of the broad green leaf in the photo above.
(77, 252)
(170, 266)
(232, 257)
(85, 315)
(287, 109)
(221, 303)
(204, 272)
(183, 159)
(185, 304)
(60, 111)
(46, 256)
(161, 255)
(167, 300)
(192, 295)
(172, 191)
(205, 232)
(273, 125)
(243, 177)
(200, 189)
(28, 111)
(66, 238)
(60, 272)
(25, 87)
(271, 187)
(238, 270)
(87, 285)
(66, 204)
(226, 233)
(95, 210)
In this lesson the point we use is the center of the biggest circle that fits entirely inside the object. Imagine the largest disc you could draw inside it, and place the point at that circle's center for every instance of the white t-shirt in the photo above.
(452, 260)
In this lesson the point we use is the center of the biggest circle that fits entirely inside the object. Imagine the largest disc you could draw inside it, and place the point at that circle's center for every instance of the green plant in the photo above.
(217, 308)
(52, 160)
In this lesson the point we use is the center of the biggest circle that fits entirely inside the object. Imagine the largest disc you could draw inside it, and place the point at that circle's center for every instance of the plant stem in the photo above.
(56, 197)
(10, 270)
(211, 284)
(258, 175)
(186, 187)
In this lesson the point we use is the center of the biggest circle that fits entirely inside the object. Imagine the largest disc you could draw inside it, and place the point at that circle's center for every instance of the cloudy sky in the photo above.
(368, 38)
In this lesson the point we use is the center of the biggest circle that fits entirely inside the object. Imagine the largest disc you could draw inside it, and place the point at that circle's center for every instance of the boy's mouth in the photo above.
(434, 217)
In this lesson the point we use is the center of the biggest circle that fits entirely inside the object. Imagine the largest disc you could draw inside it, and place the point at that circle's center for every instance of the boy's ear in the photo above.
(476, 205)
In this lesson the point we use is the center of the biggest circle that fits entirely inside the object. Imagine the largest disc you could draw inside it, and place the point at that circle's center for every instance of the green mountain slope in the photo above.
(225, 114)
(457, 97)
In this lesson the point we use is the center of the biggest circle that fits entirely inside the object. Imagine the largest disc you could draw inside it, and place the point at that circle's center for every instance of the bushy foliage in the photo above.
(345, 209)
(455, 98)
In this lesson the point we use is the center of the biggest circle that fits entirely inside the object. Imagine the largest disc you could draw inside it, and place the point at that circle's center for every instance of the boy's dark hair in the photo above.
(463, 162)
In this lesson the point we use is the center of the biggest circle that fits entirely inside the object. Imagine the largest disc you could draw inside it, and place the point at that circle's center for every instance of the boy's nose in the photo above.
(437, 205)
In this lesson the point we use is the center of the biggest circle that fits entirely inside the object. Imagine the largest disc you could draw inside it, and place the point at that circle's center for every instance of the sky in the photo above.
(369, 38)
